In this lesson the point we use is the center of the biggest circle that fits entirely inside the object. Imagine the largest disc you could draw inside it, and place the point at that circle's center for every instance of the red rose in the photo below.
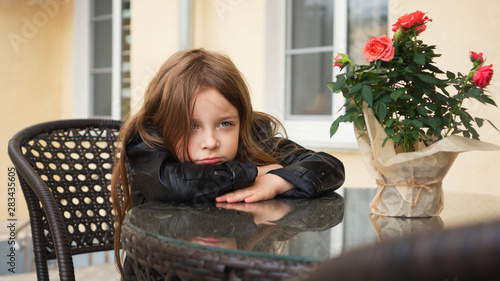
(407, 21)
(482, 77)
(378, 48)
(474, 56)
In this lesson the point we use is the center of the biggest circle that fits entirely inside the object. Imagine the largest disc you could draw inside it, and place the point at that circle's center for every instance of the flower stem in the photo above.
(459, 104)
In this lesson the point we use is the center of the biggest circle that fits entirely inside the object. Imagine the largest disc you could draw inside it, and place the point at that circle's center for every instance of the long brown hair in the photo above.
(168, 103)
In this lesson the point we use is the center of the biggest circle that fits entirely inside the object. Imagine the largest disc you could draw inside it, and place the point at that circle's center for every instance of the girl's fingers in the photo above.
(232, 197)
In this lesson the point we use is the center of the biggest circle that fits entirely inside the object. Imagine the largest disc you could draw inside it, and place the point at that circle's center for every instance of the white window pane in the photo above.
(312, 23)
(309, 73)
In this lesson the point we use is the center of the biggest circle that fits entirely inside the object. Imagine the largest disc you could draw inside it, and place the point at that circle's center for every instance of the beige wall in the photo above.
(154, 33)
(236, 28)
(36, 55)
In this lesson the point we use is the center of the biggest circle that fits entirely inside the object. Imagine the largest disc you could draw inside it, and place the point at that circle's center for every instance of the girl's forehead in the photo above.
(211, 102)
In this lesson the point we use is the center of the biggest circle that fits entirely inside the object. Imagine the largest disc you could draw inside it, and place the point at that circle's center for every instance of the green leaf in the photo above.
(479, 122)
(419, 59)
(385, 140)
(396, 138)
(450, 75)
(470, 129)
(427, 78)
(385, 98)
(486, 99)
(389, 131)
(337, 85)
(342, 118)
(421, 110)
(417, 123)
(355, 88)
(405, 97)
(372, 81)
(381, 111)
(359, 123)
(433, 68)
(334, 127)
(396, 94)
(492, 125)
(432, 106)
(330, 85)
(406, 122)
(432, 122)
(367, 94)
(474, 92)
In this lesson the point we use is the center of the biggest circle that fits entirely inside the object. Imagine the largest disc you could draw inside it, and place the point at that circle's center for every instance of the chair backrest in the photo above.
(64, 168)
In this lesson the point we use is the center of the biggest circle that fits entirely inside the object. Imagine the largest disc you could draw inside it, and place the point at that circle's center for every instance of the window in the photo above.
(102, 55)
(313, 31)
(309, 48)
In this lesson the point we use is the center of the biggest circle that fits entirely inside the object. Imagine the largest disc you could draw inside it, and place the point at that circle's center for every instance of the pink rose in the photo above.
(337, 63)
(474, 56)
(407, 21)
(378, 48)
(482, 77)
(342, 60)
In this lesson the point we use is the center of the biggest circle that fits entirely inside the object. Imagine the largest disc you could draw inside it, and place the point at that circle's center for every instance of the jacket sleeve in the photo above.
(310, 172)
(156, 175)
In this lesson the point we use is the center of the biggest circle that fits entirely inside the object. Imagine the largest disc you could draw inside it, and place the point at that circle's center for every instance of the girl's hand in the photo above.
(265, 212)
(266, 186)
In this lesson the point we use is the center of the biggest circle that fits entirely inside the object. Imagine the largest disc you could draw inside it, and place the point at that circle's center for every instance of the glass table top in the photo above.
(310, 230)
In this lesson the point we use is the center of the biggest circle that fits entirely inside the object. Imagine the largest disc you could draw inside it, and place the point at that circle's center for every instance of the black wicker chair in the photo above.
(64, 168)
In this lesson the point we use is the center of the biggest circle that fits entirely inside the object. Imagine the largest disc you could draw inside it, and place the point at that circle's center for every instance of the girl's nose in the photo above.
(210, 140)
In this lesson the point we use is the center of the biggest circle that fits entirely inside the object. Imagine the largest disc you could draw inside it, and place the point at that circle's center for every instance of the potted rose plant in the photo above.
(409, 116)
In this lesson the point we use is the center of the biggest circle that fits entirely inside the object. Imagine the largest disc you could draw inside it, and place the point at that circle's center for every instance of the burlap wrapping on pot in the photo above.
(409, 184)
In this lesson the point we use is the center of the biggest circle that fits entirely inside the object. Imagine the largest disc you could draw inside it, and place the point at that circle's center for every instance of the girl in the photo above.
(196, 138)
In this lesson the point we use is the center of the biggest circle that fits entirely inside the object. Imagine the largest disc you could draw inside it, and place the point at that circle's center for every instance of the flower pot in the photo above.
(409, 184)
(413, 188)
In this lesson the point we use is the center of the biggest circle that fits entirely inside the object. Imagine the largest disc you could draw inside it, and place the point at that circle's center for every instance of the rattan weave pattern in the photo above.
(65, 168)
(155, 259)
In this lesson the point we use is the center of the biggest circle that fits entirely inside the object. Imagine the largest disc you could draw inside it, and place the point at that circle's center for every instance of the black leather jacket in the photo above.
(156, 175)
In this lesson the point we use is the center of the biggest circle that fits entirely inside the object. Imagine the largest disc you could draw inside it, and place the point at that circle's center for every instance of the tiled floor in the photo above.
(106, 272)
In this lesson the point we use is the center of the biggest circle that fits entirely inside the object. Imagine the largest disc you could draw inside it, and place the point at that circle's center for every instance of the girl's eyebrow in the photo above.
(220, 118)
(229, 115)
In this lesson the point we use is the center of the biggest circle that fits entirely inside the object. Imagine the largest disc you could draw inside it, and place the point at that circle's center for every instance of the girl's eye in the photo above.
(194, 126)
(225, 124)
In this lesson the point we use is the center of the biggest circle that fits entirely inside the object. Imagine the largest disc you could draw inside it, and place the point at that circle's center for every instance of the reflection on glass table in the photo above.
(277, 238)
(299, 229)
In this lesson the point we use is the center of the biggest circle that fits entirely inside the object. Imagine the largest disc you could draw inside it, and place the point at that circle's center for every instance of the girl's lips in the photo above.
(210, 240)
(210, 161)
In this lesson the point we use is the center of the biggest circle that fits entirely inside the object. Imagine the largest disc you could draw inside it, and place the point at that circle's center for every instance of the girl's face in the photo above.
(215, 130)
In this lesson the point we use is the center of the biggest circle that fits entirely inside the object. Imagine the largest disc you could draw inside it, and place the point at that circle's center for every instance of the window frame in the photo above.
(309, 131)
(83, 57)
